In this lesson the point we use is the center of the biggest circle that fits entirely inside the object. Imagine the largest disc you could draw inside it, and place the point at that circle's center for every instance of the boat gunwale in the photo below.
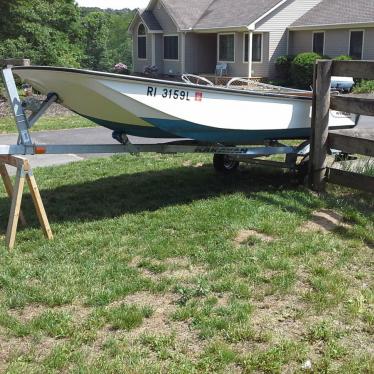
(306, 96)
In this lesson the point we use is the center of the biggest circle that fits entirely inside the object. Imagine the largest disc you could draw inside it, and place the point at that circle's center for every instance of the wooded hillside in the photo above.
(58, 32)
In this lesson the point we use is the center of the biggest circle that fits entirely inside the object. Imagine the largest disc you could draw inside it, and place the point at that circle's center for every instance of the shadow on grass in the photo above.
(152, 190)
(146, 191)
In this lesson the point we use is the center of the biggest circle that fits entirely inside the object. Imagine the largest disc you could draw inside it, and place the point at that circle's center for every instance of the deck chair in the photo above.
(221, 69)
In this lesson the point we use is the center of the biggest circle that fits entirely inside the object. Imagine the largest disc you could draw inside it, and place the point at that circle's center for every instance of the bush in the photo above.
(302, 69)
(283, 68)
(364, 87)
(343, 58)
(2, 90)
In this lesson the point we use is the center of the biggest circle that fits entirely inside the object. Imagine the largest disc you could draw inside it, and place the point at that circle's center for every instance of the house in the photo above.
(180, 36)
(334, 28)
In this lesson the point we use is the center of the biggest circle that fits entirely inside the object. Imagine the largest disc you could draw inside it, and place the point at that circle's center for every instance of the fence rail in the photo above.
(347, 141)
(9, 62)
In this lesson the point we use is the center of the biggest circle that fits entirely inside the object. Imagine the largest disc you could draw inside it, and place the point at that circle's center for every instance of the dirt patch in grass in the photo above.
(179, 268)
(11, 348)
(44, 348)
(280, 317)
(29, 312)
(324, 221)
(244, 236)
(159, 324)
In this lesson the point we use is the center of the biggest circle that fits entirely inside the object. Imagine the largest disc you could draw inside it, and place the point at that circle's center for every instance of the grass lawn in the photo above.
(7, 124)
(159, 265)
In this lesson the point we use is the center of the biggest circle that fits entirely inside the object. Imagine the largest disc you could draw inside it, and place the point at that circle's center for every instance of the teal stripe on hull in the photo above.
(185, 129)
(163, 128)
(141, 131)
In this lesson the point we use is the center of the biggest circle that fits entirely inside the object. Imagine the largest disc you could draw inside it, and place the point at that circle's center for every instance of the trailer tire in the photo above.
(223, 164)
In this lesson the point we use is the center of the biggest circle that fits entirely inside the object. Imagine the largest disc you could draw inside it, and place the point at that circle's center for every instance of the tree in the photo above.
(48, 32)
(119, 44)
(95, 41)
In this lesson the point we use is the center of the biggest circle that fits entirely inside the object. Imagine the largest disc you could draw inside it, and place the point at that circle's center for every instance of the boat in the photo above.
(154, 108)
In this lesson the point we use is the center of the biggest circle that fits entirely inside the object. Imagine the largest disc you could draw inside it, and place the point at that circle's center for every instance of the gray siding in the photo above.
(139, 64)
(173, 67)
(165, 67)
(336, 42)
(369, 44)
(276, 25)
(275, 39)
(159, 44)
(300, 42)
(239, 68)
(198, 45)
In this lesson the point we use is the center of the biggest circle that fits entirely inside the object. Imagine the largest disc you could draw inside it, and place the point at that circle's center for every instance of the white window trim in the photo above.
(324, 40)
(262, 48)
(226, 33)
(163, 51)
(137, 43)
(363, 41)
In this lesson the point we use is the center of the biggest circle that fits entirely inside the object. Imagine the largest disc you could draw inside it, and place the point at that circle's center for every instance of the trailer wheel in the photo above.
(224, 164)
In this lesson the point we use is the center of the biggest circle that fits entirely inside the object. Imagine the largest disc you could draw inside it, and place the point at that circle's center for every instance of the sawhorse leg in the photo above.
(24, 172)
(9, 189)
(39, 207)
(15, 208)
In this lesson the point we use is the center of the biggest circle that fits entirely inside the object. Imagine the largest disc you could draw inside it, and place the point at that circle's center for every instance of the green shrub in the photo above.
(364, 86)
(2, 90)
(343, 58)
(302, 69)
(283, 68)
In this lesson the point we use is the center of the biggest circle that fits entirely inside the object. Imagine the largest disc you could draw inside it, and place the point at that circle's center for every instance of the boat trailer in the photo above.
(226, 158)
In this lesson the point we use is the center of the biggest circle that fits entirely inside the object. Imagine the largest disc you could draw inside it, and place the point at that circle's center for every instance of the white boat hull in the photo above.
(155, 108)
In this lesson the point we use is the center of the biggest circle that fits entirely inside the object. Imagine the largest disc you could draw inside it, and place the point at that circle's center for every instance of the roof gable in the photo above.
(238, 13)
(186, 13)
(338, 12)
(210, 14)
(150, 21)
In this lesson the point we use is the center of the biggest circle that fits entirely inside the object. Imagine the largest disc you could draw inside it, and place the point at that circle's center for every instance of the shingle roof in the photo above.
(186, 12)
(338, 12)
(150, 20)
(237, 13)
(201, 14)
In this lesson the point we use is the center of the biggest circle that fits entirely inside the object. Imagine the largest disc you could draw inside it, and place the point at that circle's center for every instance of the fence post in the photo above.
(320, 123)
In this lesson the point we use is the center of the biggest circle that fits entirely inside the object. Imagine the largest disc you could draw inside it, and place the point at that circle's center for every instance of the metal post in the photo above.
(16, 105)
(250, 53)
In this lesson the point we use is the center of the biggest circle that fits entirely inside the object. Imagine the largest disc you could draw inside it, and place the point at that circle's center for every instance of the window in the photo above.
(226, 47)
(171, 47)
(256, 47)
(319, 43)
(142, 42)
(356, 43)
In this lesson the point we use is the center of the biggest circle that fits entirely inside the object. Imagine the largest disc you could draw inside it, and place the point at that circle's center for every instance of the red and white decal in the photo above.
(198, 96)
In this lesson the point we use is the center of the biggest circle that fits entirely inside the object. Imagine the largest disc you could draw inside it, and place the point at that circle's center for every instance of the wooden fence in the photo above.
(9, 62)
(347, 141)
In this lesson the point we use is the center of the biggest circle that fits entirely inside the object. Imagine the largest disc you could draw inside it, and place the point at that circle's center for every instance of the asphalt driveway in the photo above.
(96, 135)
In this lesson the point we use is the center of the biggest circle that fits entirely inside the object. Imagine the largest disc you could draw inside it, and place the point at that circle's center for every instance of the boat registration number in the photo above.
(173, 94)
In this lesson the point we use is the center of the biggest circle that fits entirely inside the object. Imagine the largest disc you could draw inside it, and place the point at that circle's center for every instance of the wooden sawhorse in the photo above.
(24, 171)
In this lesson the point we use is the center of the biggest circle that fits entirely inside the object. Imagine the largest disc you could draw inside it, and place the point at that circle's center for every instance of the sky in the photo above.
(114, 4)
